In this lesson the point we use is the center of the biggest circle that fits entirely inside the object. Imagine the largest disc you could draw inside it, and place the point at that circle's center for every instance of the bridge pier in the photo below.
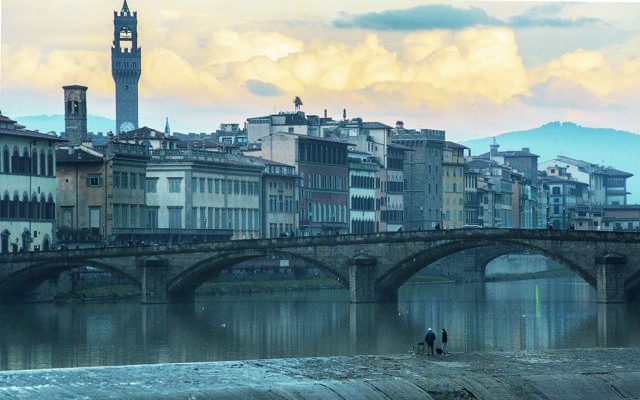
(611, 279)
(362, 271)
(154, 281)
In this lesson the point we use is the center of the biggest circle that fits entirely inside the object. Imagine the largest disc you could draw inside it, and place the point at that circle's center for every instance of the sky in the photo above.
(474, 69)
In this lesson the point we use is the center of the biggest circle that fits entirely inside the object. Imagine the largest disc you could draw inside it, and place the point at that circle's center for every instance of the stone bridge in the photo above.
(372, 266)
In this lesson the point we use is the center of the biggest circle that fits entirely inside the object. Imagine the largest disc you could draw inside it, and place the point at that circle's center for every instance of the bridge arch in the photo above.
(388, 284)
(27, 279)
(184, 284)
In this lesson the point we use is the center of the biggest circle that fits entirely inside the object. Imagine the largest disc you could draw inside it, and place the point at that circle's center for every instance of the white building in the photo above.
(363, 174)
(197, 190)
(606, 185)
(27, 187)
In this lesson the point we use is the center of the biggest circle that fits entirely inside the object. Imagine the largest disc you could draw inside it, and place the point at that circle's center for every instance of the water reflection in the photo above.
(526, 315)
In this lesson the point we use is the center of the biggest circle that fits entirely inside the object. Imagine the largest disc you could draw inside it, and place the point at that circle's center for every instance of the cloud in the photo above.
(438, 16)
(592, 71)
(419, 18)
(559, 94)
(226, 46)
(260, 88)
(528, 21)
(31, 68)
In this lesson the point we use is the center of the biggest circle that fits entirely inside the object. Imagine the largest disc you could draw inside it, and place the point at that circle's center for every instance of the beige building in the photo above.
(453, 185)
(27, 188)
(100, 190)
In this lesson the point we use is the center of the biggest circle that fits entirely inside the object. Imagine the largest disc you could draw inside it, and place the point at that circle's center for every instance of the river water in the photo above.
(517, 315)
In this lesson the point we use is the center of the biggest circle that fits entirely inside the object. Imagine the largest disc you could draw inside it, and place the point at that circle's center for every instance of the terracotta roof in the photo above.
(145, 133)
(31, 134)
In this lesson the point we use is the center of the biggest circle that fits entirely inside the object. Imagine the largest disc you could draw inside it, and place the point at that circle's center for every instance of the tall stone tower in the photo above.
(125, 67)
(75, 113)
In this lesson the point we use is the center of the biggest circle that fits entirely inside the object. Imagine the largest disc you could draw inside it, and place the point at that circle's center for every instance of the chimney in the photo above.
(526, 150)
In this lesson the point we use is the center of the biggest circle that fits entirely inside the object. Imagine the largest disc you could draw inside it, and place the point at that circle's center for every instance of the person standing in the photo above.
(430, 337)
(444, 341)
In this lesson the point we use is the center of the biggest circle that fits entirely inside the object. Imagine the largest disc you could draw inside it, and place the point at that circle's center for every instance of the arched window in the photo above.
(23, 209)
(46, 243)
(4, 241)
(13, 206)
(50, 171)
(15, 161)
(33, 207)
(34, 162)
(26, 161)
(5, 203)
(43, 164)
(6, 159)
(50, 210)
(42, 206)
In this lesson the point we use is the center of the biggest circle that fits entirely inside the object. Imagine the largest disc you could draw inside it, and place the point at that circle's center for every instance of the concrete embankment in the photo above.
(563, 374)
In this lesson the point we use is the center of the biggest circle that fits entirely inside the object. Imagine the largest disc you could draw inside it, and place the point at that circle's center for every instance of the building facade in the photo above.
(27, 188)
(323, 170)
(453, 185)
(100, 191)
(198, 193)
(423, 176)
(606, 185)
(280, 191)
(364, 185)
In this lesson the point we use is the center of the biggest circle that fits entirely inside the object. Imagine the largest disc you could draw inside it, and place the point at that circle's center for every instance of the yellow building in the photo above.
(453, 185)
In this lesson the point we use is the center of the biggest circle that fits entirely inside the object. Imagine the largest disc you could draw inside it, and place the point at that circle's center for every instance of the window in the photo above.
(209, 185)
(174, 185)
(125, 216)
(116, 179)
(94, 180)
(134, 215)
(94, 217)
(152, 185)
(116, 216)
(175, 217)
(134, 181)
(194, 185)
(152, 217)
(142, 181)
(124, 181)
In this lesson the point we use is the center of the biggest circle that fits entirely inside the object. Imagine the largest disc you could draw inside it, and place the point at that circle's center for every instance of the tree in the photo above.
(297, 102)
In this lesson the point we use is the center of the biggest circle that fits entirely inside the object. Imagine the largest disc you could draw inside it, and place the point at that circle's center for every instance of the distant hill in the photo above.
(610, 147)
(48, 123)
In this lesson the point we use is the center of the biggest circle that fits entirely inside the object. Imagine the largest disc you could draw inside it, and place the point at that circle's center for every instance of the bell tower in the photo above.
(125, 67)
(75, 113)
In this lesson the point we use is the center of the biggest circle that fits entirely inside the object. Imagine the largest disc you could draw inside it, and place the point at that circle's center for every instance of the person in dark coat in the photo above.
(429, 338)
(444, 341)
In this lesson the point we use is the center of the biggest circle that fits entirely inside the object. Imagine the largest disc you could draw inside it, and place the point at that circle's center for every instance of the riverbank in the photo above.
(558, 374)
(126, 292)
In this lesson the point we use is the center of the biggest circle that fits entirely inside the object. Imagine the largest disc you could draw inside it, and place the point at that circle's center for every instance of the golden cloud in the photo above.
(592, 71)
(31, 68)
(437, 69)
